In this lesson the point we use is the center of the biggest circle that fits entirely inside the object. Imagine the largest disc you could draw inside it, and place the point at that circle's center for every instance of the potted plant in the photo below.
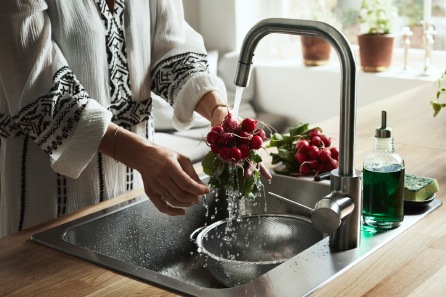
(376, 45)
(316, 51)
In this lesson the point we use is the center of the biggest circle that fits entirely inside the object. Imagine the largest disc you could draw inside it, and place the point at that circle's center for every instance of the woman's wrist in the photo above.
(213, 107)
(123, 145)
(219, 105)
(219, 115)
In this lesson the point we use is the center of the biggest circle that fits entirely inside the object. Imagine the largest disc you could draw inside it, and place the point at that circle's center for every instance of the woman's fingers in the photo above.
(167, 202)
(190, 180)
(183, 183)
(265, 172)
(262, 168)
(177, 196)
(171, 182)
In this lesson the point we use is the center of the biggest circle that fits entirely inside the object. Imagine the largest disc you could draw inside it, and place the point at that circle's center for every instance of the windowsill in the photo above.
(311, 94)
(415, 64)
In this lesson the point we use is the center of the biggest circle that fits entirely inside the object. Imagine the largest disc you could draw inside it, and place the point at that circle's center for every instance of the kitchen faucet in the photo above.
(338, 213)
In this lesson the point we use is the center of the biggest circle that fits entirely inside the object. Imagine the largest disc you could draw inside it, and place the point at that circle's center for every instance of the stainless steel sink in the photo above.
(135, 239)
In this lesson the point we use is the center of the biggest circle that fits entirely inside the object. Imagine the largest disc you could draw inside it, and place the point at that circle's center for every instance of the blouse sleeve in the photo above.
(180, 70)
(41, 96)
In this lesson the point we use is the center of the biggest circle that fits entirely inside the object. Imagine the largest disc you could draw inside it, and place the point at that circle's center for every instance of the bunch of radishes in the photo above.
(315, 153)
(303, 151)
(233, 145)
(234, 141)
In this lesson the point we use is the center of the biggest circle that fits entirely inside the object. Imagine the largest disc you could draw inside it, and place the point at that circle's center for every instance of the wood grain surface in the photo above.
(414, 264)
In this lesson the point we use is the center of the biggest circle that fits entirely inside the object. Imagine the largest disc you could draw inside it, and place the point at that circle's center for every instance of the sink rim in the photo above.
(282, 280)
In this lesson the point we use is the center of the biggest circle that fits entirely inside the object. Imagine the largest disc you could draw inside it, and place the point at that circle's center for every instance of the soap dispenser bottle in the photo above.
(383, 182)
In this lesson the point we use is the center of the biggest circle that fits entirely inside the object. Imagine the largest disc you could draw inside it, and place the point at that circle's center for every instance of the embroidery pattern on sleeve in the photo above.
(170, 74)
(8, 128)
(62, 195)
(51, 118)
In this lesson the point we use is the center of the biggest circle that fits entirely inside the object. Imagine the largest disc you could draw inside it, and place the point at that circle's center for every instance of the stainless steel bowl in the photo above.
(238, 251)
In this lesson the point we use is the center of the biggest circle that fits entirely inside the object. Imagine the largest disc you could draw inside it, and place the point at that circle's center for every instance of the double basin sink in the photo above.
(135, 239)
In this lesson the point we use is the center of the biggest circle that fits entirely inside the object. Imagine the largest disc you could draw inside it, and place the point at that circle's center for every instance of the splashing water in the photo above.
(228, 236)
(205, 204)
(237, 100)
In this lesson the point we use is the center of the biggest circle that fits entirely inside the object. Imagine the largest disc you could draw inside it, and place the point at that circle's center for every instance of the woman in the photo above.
(75, 108)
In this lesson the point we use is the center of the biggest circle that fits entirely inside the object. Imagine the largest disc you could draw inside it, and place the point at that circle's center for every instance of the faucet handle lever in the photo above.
(328, 212)
(308, 210)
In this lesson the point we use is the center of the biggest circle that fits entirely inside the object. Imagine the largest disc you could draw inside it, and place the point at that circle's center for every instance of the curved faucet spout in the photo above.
(348, 70)
(345, 182)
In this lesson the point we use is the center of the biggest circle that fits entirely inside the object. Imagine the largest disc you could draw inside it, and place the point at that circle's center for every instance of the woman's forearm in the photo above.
(123, 145)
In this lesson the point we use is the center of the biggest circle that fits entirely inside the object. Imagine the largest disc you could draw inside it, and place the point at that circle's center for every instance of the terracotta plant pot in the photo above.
(315, 50)
(375, 51)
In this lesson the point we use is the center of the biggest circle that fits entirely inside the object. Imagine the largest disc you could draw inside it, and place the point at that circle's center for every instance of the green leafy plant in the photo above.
(441, 89)
(378, 16)
(230, 176)
(303, 151)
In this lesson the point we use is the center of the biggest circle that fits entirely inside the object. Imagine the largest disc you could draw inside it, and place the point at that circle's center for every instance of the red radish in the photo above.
(305, 169)
(215, 148)
(261, 133)
(317, 141)
(325, 155)
(314, 132)
(301, 157)
(313, 164)
(333, 164)
(334, 153)
(213, 137)
(321, 168)
(235, 154)
(249, 125)
(313, 152)
(326, 140)
(244, 136)
(225, 153)
(245, 150)
(218, 129)
(226, 138)
(256, 142)
(302, 145)
(229, 124)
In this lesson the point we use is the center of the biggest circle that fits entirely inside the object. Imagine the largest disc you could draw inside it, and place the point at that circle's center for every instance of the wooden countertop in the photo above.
(413, 264)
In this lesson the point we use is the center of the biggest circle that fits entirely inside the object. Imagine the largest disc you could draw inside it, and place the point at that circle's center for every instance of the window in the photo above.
(345, 13)
(224, 23)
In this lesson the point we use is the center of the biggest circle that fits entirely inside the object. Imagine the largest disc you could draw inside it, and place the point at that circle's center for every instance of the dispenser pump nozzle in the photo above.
(383, 131)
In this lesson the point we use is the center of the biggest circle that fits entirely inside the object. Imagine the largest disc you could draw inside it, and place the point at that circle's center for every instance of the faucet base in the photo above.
(348, 235)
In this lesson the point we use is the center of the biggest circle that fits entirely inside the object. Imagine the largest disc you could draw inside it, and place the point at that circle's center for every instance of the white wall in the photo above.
(224, 23)
(310, 95)
(192, 13)
(215, 20)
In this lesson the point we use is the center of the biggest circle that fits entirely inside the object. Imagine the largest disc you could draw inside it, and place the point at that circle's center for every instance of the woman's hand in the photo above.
(262, 168)
(169, 178)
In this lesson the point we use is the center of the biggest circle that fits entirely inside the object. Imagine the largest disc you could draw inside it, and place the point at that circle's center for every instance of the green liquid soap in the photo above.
(383, 198)
(383, 182)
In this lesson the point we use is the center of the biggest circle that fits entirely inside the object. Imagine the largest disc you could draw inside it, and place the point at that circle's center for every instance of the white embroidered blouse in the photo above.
(68, 68)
